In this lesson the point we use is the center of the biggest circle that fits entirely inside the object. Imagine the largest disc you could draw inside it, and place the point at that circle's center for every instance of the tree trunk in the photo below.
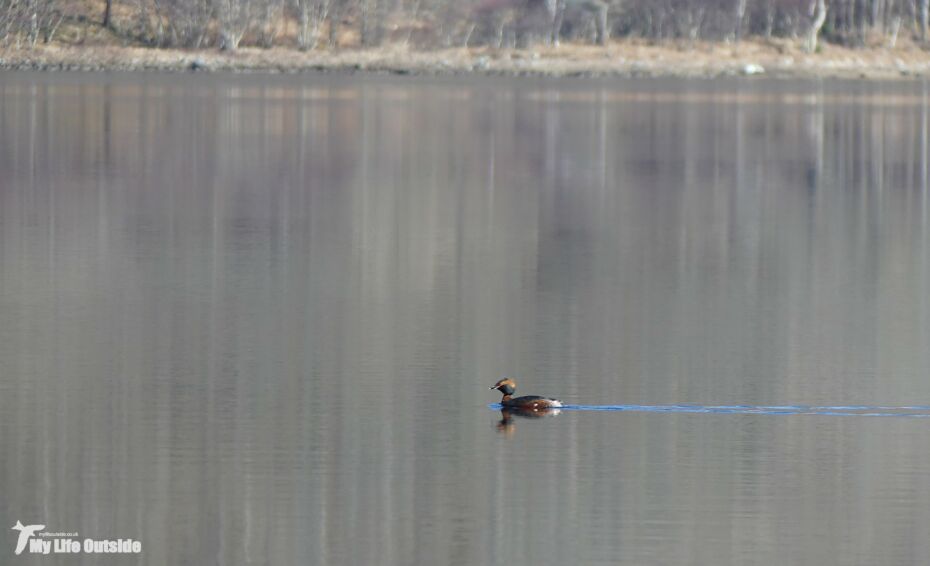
(769, 18)
(557, 16)
(310, 18)
(818, 12)
(34, 24)
(371, 25)
(335, 14)
(863, 21)
(233, 18)
(738, 24)
(878, 12)
(303, 25)
(51, 27)
(229, 40)
(603, 31)
(106, 13)
(893, 33)
(924, 18)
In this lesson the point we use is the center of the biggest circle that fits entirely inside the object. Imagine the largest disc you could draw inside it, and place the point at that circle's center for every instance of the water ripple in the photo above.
(910, 411)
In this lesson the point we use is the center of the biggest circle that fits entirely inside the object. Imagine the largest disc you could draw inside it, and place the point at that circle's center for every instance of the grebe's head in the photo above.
(506, 386)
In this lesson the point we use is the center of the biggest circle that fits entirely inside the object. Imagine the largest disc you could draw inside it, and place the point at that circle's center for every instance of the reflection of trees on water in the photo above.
(298, 286)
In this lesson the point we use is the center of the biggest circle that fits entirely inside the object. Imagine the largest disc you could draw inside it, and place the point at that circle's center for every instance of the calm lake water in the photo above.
(253, 319)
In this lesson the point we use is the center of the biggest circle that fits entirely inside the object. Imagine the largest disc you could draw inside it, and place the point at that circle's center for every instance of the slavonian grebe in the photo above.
(527, 403)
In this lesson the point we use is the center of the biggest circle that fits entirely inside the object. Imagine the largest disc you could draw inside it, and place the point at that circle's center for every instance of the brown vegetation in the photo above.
(647, 37)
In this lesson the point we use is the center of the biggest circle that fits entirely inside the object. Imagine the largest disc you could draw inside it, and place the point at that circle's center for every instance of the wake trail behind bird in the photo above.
(908, 411)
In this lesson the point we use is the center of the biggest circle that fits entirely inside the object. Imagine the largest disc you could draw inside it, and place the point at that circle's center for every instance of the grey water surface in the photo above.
(253, 319)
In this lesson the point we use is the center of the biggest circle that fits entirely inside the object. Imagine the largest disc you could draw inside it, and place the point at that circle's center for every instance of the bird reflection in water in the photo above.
(507, 425)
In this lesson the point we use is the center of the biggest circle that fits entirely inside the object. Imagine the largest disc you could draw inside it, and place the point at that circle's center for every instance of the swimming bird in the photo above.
(526, 403)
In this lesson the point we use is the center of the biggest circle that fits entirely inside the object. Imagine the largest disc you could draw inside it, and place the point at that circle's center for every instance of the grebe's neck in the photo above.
(506, 398)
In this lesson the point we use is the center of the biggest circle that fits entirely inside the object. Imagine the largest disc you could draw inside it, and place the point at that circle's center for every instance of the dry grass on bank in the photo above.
(83, 44)
(621, 58)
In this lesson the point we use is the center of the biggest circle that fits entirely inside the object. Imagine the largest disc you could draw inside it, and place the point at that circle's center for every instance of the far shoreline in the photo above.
(624, 58)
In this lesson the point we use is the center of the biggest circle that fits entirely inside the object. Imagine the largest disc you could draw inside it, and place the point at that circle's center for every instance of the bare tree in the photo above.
(179, 22)
(28, 21)
(877, 16)
(738, 16)
(689, 17)
(594, 9)
(106, 13)
(311, 14)
(769, 18)
(264, 23)
(338, 8)
(924, 19)
(233, 16)
(444, 23)
(371, 22)
(818, 15)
